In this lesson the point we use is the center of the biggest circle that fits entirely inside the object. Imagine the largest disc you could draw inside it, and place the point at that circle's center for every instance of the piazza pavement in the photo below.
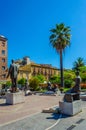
(29, 116)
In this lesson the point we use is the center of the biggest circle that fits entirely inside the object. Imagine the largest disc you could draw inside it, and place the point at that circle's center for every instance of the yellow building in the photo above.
(32, 69)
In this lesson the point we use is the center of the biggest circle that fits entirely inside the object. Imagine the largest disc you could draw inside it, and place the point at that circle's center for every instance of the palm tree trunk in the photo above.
(61, 68)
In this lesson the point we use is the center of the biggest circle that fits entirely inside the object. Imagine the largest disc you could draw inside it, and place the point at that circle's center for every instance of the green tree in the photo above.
(83, 73)
(78, 63)
(83, 77)
(55, 79)
(69, 77)
(41, 78)
(60, 39)
(82, 69)
(22, 81)
(34, 83)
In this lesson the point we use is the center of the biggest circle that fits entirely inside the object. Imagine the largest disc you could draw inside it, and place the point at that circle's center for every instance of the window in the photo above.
(3, 67)
(54, 72)
(4, 76)
(3, 44)
(3, 60)
(3, 52)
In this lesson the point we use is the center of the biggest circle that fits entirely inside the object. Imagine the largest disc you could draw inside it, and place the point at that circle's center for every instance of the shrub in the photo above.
(68, 83)
(68, 78)
(8, 83)
(22, 81)
(55, 79)
(34, 83)
(83, 77)
(41, 78)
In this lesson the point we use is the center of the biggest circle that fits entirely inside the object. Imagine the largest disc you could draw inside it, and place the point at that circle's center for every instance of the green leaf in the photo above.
(52, 36)
(53, 30)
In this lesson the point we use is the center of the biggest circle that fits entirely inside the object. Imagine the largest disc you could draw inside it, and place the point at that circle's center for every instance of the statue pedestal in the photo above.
(14, 98)
(83, 97)
(71, 105)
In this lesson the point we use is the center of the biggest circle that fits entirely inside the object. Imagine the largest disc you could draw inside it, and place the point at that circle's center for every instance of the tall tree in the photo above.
(60, 39)
(78, 63)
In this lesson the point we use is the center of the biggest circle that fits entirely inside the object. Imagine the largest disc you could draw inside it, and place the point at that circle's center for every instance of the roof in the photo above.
(3, 37)
(25, 68)
(43, 65)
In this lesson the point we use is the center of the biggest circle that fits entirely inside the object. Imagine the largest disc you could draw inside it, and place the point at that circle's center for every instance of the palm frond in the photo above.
(53, 30)
(60, 37)
(52, 36)
(67, 29)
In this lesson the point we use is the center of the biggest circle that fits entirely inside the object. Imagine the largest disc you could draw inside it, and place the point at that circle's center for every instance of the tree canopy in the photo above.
(78, 63)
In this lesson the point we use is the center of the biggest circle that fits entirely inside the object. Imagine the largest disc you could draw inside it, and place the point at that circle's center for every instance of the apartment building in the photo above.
(3, 57)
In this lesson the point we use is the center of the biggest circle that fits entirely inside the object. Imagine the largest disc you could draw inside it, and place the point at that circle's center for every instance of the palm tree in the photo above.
(78, 63)
(60, 39)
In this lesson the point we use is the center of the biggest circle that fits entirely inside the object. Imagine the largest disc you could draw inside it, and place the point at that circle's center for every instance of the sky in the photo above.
(27, 24)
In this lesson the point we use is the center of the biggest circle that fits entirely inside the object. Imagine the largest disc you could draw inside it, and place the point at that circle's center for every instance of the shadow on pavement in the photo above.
(56, 116)
(4, 104)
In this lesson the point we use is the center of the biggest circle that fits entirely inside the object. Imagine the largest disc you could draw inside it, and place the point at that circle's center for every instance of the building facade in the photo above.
(3, 57)
(33, 69)
(45, 69)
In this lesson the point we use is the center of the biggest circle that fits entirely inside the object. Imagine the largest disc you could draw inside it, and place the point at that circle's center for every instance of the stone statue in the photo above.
(26, 85)
(74, 93)
(13, 72)
(77, 88)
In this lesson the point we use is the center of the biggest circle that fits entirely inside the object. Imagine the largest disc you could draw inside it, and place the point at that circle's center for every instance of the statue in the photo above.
(76, 88)
(13, 72)
(74, 93)
(26, 85)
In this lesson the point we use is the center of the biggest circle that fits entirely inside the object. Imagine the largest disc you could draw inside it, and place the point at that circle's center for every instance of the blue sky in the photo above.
(27, 24)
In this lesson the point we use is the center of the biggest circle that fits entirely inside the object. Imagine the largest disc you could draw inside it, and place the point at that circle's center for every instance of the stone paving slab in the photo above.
(33, 104)
(70, 122)
(40, 121)
(47, 121)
